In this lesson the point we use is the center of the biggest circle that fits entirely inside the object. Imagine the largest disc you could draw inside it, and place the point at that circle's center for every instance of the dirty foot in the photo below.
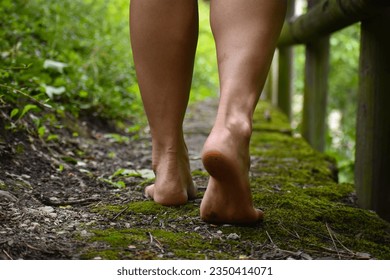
(173, 185)
(228, 197)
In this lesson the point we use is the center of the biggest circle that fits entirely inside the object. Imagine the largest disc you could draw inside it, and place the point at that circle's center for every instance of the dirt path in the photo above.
(81, 197)
(47, 190)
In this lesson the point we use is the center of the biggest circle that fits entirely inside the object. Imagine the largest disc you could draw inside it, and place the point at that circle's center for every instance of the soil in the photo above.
(47, 189)
(80, 196)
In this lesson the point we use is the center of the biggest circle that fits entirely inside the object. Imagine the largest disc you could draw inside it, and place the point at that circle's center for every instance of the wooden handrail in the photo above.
(327, 17)
(373, 130)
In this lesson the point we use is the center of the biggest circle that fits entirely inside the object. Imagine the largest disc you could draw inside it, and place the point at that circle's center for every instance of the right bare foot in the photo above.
(228, 197)
(173, 185)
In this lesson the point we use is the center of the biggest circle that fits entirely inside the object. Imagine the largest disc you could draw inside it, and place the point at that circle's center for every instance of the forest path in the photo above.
(81, 197)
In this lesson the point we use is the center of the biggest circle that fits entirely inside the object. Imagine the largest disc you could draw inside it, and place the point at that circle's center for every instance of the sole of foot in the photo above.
(227, 199)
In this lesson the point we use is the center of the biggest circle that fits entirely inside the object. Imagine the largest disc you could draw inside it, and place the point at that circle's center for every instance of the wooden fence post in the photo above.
(372, 169)
(285, 76)
(268, 87)
(316, 90)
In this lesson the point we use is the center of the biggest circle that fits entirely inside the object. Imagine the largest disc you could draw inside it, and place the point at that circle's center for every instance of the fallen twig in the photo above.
(153, 240)
(269, 237)
(334, 243)
(120, 213)
(8, 256)
(342, 245)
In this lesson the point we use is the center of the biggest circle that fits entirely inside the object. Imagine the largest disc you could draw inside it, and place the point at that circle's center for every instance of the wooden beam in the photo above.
(372, 168)
(316, 90)
(286, 70)
(327, 17)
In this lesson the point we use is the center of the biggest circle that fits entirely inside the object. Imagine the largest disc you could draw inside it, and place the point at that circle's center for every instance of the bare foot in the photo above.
(173, 185)
(228, 197)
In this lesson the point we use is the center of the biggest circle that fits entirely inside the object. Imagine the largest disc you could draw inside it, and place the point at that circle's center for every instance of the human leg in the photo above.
(164, 37)
(245, 33)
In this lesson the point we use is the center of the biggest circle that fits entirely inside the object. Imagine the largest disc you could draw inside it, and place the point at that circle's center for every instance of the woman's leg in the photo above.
(164, 36)
(246, 33)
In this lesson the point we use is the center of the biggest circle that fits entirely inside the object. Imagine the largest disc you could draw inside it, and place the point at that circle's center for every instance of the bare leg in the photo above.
(246, 33)
(164, 37)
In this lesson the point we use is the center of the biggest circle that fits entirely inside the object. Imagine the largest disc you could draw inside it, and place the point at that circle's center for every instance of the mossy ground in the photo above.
(306, 212)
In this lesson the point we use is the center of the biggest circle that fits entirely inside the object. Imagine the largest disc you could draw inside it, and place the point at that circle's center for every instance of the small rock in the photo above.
(53, 215)
(85, 233)
(25, 176)
(46, 209)
(233, 236)
(53, 199)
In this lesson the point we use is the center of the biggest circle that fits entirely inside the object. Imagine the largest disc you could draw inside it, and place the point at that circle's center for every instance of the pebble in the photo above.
(85, 233)
(53, 215)
(46, 209)
(233, 236)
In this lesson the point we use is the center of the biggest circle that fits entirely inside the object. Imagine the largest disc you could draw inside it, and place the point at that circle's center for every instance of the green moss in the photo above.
(303, 218)
(199, 173)
(268, 118)
(305, 210)
(148, 208)
(183, 245)
(3, 186)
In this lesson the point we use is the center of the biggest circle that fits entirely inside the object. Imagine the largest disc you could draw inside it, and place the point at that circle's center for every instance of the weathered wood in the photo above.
(327, 17)
(286, 70)
(268, 87)
(372, 169)
(316, 90)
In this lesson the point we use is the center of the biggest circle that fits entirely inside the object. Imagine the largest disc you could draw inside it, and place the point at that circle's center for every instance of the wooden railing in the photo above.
(372, 166)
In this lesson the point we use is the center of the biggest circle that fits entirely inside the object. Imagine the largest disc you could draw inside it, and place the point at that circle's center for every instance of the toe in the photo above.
(259, 215)
(149, 191)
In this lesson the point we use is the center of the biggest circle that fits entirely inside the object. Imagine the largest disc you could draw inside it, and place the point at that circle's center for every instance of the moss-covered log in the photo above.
(372, 174)
(327, 17)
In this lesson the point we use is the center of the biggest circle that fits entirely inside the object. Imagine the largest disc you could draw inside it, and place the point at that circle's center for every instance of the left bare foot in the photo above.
(173, 185)
(228, 197)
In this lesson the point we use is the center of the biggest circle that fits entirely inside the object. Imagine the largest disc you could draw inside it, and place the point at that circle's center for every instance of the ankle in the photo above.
(236, 124)
(169, 154)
